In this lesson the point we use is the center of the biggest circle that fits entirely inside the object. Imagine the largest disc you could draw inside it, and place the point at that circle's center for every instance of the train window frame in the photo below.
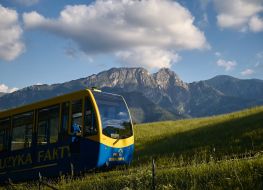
(46, 126)
(114, 130)
(93, 130)
(24, 128)
(76, 130)
(64, 120)
(6, 135)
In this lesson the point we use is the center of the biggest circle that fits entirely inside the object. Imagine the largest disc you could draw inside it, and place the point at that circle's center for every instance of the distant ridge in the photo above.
(1, 94)
(158, 96)
(230, 86)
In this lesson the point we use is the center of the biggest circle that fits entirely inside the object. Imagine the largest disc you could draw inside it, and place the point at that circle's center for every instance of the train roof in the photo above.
(43, 103)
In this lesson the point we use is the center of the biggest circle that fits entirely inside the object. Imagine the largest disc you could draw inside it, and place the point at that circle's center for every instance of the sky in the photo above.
(47, 42)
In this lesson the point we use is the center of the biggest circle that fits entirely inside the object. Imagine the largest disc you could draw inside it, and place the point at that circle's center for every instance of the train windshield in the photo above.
(114, 114)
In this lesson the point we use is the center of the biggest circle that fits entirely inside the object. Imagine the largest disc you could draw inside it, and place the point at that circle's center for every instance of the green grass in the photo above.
(221, 152)
(222, 137)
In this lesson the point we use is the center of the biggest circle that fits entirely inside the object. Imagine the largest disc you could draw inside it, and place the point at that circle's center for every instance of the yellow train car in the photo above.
(75, 132)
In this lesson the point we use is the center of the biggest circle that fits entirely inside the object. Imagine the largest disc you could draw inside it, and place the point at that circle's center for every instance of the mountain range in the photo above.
(154, 97)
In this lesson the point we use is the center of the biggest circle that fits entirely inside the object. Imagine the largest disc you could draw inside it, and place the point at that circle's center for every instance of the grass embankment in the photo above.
(222, 152)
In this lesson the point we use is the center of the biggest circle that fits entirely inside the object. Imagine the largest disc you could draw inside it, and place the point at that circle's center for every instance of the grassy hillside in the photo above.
(222, 137)
(222, 152)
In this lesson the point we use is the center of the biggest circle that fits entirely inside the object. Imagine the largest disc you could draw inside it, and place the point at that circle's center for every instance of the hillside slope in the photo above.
(223, 152)
(229, 135)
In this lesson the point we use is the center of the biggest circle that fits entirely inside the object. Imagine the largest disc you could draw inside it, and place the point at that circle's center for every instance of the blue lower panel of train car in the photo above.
(49, 160)
(96, 155)
(110, 156)
(26, 164)
(60, 158)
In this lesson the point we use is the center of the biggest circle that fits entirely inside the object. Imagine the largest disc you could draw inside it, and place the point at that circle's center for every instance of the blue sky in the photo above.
(46, 42)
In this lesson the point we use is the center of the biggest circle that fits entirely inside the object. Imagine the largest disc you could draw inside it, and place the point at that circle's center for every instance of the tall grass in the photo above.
(221, 137)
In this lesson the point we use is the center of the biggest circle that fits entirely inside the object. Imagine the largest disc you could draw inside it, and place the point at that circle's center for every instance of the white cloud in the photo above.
(10, 35)
(6, 89)
(247, 72)
(148, 57)
(33, 19)
(239, 14)
(256, 24)
(107, 26)
(227, 65)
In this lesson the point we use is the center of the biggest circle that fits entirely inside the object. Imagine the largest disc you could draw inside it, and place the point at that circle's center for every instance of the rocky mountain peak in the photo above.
(166, 71)
(120, 77)
(165, 78)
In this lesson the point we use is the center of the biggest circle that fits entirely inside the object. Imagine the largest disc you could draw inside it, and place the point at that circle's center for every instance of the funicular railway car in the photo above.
(75, 132)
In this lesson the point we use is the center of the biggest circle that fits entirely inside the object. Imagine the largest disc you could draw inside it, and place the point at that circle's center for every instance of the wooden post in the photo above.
(39, 181)
(72, 169)
(153, 174)
(10, 183)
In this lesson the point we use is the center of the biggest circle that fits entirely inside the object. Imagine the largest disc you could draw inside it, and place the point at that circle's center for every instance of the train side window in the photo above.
(90, 119)
(4, 134)
(76, 117)
(48, 124)
(64, 120)
(2, 139)
(22, 131)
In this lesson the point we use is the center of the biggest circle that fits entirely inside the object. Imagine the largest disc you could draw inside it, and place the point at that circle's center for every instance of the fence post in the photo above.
(153, 174)
(42, 182)
(10, 183)
(72, 169)
(39, 181)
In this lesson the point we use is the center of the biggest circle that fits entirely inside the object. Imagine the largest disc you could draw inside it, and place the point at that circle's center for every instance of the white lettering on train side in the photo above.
(23, 159)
